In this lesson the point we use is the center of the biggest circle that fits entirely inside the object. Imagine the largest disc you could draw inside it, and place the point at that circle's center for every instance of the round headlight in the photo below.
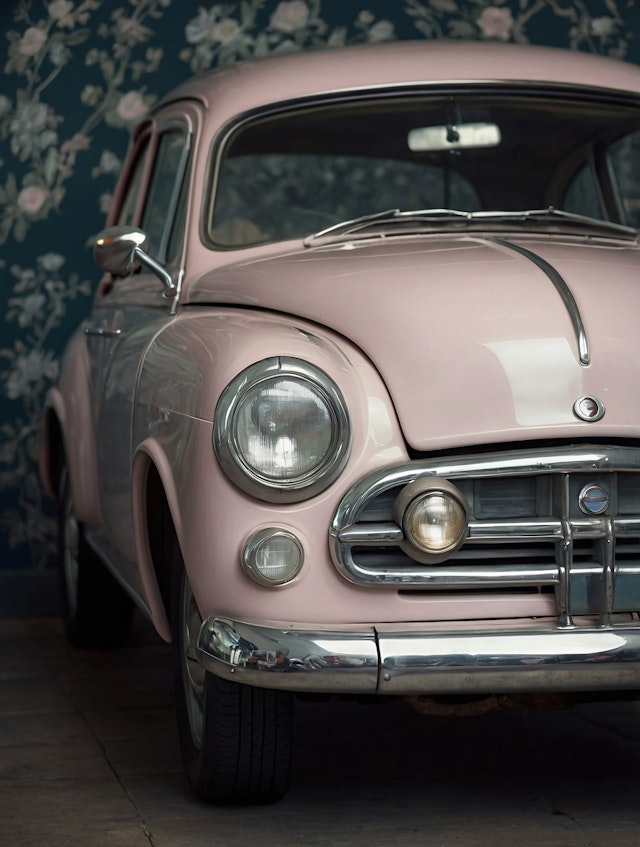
(433, 515)
(281, 430)
(273, 556)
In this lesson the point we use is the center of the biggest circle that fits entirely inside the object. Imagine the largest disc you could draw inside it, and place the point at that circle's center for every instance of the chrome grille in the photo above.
(526, 528)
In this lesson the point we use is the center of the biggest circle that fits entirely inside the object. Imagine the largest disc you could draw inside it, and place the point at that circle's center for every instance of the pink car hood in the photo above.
(472, 338)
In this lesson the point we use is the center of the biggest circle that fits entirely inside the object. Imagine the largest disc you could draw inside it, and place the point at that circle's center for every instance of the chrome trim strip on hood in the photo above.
(563, 290)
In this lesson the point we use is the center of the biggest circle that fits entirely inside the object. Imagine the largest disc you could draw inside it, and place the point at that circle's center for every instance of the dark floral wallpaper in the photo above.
(78, 75)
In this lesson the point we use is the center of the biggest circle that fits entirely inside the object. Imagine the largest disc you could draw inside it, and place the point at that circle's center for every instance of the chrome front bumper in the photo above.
(396, 660)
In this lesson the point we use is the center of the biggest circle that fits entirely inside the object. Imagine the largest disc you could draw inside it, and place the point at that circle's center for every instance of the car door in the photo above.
(129, 312)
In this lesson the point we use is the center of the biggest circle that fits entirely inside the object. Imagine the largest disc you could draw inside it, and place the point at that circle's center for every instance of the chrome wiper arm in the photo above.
(345, 227)
(388, 216)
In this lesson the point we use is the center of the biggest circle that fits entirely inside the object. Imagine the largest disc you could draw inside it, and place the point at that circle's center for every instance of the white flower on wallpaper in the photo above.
(78, 76)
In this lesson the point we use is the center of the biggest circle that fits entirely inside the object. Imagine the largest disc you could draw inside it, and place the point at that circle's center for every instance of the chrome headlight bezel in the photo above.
(260, 541)
(226, 442)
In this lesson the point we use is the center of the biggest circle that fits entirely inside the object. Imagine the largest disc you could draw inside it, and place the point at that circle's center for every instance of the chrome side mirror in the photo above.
(120, 250)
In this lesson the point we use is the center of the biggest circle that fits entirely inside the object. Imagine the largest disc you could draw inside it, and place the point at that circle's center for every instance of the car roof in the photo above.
(251, 84)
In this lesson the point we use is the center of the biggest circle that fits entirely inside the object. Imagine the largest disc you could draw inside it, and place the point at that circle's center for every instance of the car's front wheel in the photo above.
(235, 739)
(96, 610)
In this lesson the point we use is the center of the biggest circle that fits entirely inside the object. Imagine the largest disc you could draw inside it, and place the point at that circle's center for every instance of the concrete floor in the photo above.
(88, 758)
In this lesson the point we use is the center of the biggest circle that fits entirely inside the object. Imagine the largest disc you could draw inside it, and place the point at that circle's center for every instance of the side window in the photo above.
(165, 189)
(624, 168)
(582, 196)
(130, 200)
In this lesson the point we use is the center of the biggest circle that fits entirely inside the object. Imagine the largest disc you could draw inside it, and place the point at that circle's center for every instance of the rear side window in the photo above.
(127, 213)
(624, 167)
(582, 197)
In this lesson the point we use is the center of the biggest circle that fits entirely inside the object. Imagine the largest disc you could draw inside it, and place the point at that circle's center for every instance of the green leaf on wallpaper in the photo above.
(51, 166)
(20, 229)
(9, 192)
(444, 6)
(78, 36)
(5, 227)
(459, 28)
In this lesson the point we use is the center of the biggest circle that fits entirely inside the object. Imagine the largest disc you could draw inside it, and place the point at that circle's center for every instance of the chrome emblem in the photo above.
(588, 409)
(593, 500)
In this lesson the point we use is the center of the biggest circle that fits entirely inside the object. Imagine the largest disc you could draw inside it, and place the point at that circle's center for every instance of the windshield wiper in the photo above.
(559, 214)
(389, 216)
(392, 217)
(348, 227)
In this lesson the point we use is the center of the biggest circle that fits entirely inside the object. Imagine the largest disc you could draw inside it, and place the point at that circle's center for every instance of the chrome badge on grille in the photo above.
(593, 500)
(588, 409)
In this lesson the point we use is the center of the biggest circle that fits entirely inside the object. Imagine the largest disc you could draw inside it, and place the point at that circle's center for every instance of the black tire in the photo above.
(235, 739)
(96, 610)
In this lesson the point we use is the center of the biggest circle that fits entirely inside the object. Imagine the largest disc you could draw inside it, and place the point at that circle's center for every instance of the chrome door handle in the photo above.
(101, 331)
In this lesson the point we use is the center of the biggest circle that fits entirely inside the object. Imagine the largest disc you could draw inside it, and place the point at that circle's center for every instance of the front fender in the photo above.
(186, 368)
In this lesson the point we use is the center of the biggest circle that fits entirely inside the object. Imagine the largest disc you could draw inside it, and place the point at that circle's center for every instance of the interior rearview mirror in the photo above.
(454, 137)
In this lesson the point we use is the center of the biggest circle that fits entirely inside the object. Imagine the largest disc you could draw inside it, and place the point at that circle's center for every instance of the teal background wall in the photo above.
(79, 74)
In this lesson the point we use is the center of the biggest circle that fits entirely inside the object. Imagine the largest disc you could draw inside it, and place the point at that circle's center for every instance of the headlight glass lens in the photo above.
(284, 429)
(281, 430)
(273, 557)
(435, 522)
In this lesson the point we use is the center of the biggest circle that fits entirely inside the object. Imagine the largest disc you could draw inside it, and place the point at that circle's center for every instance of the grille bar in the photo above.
(609, 561)
(584, 558)
(388, 533)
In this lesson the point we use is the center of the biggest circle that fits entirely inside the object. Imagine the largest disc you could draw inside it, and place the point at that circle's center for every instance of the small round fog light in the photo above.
(272, 556)
(435, 522)
(433, 515)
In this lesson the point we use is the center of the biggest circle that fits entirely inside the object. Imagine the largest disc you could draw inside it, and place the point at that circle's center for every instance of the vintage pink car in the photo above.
(356, 408)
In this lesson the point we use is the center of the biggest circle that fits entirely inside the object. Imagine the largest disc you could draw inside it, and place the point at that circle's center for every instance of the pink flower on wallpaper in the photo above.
(31, 199)
(495, 22)
(31, 41)
(290, 15)
(131, 106)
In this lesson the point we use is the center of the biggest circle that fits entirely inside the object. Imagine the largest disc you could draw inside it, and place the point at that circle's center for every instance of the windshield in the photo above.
(295, 173)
